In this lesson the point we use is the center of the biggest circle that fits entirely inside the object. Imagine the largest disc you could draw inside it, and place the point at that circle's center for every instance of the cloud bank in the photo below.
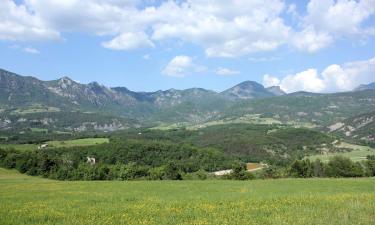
(333, 78)
(223, 28)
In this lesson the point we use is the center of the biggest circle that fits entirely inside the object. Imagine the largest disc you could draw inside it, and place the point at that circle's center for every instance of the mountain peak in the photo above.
(248, 90)
(65, 78)
(94, 84)
(250, 83)
(65, 82)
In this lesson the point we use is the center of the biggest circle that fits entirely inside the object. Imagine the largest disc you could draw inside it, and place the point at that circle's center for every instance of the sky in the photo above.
(148, 45)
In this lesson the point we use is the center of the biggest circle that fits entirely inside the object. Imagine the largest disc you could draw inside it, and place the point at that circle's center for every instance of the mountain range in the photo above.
(68, 105)
(18, 90)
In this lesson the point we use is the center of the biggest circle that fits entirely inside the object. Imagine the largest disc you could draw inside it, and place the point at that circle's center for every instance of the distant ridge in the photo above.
(362, 87)
(67, 87)
(53, 103)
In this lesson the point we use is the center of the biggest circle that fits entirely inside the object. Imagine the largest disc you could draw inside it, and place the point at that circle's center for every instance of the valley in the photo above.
(187, 112)
(89, 146)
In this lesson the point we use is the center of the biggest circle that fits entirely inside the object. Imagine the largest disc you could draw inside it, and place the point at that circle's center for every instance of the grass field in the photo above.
(78, 142)
(246, 119)
(36, 109)
(31, 200)
(58, 144)
(43, 130)
(358, 153)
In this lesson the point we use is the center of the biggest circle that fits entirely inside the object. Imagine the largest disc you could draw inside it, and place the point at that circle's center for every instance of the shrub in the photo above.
(339, 166)
(370, 167)
(172, 172)
(302, 169)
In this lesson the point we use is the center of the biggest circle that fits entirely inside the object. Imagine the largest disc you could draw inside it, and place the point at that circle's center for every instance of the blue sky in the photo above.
(152, 45)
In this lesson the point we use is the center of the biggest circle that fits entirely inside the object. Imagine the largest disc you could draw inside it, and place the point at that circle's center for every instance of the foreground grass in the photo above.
(59, 144)
(30, 200)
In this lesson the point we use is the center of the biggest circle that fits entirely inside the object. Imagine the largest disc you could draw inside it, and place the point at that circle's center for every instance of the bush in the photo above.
(370, 167)
(10, 161)
(302, 169)
(339, 166)
(172, 172)
(157, 173)
(318, 168)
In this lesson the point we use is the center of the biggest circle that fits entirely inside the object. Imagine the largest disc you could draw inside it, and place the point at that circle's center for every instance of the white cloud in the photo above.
(18, 24)
(129, 41)
(96, 16)
(334, 78)
(339, 17)
(269, 81)
(328, 20)
(310, 40)
(31, 50)
(306, 80)
(226, 72)
(180, 66)
(227, 28)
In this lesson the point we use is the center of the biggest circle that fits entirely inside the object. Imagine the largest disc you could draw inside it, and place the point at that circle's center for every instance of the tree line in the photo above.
(136, 160)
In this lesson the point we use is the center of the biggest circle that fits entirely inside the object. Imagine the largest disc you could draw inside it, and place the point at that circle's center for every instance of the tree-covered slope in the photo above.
(319, 109)
(248, 142)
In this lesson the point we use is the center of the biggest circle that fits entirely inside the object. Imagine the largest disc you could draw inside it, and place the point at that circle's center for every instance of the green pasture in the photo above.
(357, 153)
(32, 200)
(58, 144)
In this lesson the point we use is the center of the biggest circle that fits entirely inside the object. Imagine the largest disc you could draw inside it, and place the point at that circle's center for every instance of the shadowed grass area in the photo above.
(30, 200)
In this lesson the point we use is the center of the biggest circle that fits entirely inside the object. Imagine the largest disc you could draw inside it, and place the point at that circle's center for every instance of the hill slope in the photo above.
(361, 127)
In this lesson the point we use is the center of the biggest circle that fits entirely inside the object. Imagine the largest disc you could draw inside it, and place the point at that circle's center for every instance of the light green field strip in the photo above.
(58, 144)
(36, 110)
(249, 119)
(358, 153)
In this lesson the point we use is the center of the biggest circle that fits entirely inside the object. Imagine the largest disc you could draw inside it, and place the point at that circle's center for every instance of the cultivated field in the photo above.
(31, 200)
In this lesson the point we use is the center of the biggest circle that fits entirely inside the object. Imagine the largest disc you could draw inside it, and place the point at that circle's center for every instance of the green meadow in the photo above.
(58, 144)
(33, 200)
(356, 153)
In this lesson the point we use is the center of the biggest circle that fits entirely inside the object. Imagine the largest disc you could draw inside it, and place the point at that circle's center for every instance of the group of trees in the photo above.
(337, 166)
(120, 160)
(66, 167)
(160, 159)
